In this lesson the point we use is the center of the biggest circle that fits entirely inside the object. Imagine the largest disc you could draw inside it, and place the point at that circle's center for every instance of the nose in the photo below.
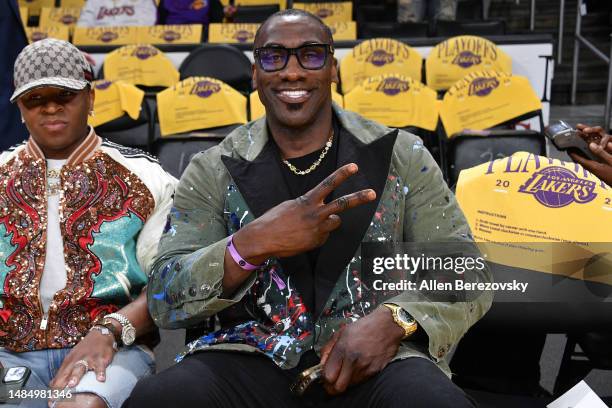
(50, 106)
(293, 71)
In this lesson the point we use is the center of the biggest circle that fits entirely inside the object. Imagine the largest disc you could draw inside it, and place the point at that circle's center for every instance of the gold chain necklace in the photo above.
(316, 163)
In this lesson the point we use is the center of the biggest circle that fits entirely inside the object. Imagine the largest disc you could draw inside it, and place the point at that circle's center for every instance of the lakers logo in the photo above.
(482, 86)
(170, 35)
(243, 36)
(379, 58)
(392, 86)
(68, 19)
(557, 187)
(324, 13)
(144, 52)
(205, 88)
(467, 59)
(102, 85)
(108, 36)
(198, 5)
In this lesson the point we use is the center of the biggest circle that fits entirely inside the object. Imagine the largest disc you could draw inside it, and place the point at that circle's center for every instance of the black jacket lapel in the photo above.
(373, 161)
(262, 186)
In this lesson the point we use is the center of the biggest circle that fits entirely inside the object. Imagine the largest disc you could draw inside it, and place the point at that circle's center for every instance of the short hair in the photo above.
(297, 13)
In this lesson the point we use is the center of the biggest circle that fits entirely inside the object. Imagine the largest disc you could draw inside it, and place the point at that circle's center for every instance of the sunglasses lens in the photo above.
(273, 59)
(312, 56)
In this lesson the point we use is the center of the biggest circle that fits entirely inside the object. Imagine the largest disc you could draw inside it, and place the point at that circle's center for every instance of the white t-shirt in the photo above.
(54, 273)
(106, 13)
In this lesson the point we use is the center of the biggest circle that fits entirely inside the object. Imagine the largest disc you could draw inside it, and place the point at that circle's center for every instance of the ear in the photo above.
(253, 77)
(334, 74)
(92, 98)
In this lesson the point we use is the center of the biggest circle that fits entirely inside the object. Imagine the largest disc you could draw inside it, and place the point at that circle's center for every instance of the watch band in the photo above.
(105, 331)
(128, 332)
(409, 326)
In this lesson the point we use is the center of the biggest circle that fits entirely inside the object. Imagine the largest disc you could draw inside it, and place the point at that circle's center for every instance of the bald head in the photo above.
(291, 15)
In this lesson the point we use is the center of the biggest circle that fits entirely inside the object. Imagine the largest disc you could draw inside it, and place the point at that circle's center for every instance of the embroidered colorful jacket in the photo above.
(113, 204)
(286, 308)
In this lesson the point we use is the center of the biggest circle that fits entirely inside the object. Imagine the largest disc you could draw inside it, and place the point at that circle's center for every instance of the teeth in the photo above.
(294, 94)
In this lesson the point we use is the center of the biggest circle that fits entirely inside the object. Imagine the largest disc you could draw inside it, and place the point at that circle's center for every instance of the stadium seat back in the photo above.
(220, 61)
(254, 14)
(481, 28)
(393, 29)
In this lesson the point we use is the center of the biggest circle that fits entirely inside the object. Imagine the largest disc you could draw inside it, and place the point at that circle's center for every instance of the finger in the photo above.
(78, 371)
(331, 223)
(601, 153)
(327, 348)
(348, 201)
(590, 165)
(331, 182)
(332, 366)
(344, 378)
(100, 370)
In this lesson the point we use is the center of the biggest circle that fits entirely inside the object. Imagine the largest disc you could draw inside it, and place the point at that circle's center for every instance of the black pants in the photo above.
(223, 379)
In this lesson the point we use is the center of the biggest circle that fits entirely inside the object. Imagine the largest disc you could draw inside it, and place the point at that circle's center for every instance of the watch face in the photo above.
(128, 336)
(405, 317)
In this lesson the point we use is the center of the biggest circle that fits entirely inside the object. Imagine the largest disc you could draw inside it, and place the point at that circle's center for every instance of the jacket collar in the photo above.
(83, 152)
(249, 140)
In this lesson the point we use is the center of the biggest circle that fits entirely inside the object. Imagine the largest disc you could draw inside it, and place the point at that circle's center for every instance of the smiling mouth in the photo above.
(293, 96)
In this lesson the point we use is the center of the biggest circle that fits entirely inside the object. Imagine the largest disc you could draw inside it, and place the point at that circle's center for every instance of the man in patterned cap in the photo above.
(79, 223)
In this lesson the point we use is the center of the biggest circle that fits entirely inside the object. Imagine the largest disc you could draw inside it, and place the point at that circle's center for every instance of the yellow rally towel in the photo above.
(379, 56)
(199, 103)
(105, 35)
(258, 110)
(113, 100)
(72, 3)
(231, 33)
(34, 6)
(64, 16)
(456, 57)
(395, 100)
(531, 200)
(329, 12)
(40, 33)
(170, 34)
(485, 99)
(343, 30)
(140, 65)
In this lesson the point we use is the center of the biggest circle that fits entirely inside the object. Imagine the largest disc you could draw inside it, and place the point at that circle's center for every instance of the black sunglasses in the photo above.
(309, 56)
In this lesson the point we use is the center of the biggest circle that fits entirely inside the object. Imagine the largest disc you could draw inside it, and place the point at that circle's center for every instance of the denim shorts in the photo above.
(128, 366)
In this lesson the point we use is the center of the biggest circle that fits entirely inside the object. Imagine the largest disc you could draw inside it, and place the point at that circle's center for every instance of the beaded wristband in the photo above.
(238, 258)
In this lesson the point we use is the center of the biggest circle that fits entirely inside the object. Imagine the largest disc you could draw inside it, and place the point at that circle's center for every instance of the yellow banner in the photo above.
(396, 101)
(105, 35)
(34, 6)
(72, 3)
(66, 17)
(113, 100)
(140, 65)
(36, 33)
(527, 198)
(343, 30)
(281, 3)
(376, 57)
(329, 12)
(231, 33)
(199, 103)
(258, 110)
(485, 99)
(456, 57)
(170, 34)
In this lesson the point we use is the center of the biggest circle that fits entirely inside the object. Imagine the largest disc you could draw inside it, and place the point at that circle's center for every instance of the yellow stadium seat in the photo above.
(379, 56)
(456, 57)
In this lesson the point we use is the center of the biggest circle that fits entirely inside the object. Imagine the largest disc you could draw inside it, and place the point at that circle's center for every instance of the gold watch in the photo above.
(402, 318)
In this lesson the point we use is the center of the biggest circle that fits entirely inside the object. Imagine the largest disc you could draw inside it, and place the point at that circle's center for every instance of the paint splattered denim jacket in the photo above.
(270, 313)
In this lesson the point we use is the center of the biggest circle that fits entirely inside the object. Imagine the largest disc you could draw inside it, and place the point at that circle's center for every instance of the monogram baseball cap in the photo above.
(50, 62)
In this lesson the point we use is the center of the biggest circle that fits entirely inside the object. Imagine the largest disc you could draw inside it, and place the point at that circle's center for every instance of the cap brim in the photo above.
(55, 82)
